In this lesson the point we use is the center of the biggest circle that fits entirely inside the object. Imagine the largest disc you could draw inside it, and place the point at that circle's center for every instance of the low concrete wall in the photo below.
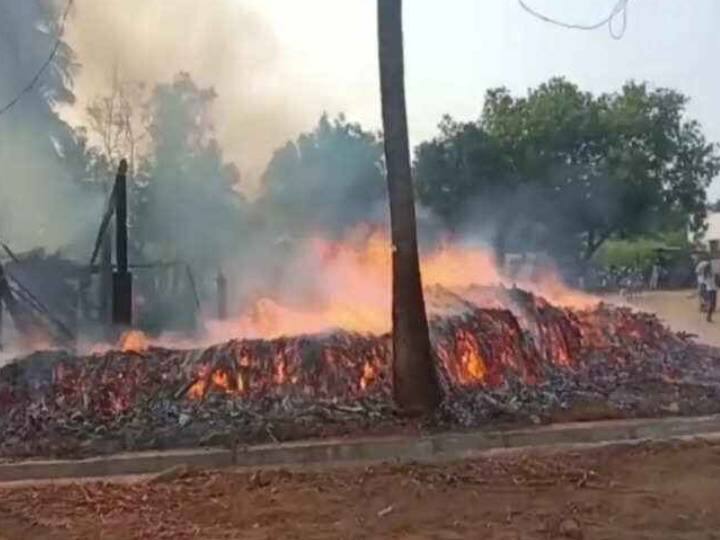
(442, 446)
(118, 464)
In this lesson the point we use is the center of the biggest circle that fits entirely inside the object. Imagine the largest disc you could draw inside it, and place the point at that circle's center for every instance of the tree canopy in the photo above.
(187, 204)
(328, 179)
(563, 170)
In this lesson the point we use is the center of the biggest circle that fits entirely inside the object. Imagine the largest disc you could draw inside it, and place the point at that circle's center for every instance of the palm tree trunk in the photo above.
(415, 382)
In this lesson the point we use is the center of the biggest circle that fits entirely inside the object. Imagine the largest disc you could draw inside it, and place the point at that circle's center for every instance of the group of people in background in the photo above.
(613, 278)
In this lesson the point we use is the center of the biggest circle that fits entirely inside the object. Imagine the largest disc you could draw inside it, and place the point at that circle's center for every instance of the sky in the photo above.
(278, 64)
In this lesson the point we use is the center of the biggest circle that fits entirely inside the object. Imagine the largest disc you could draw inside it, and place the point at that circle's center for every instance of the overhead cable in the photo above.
(619, 10)
(10, 104)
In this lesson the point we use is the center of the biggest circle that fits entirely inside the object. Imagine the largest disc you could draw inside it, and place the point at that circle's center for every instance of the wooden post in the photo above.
(221, 296)
(105, 288)
(122, 278)
(121, 234)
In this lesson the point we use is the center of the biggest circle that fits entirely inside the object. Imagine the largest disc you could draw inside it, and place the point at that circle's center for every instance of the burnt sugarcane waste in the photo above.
(504, 356)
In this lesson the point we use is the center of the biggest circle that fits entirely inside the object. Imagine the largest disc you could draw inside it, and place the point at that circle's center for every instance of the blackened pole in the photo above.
(222, 296)
(121, 238)
(122, 279)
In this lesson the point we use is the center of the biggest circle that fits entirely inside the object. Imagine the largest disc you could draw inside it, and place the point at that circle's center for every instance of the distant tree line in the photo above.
(558, 170)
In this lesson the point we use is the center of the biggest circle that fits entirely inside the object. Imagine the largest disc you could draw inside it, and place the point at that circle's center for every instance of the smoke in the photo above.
(40, 203)
(308, 254)
(221, 43)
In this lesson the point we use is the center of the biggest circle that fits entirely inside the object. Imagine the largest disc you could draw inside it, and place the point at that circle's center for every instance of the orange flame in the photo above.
(368, 376)
(217, 380)
(221, 380)
(133, 341)
(197, 390)
(280, 372)
(355, 282)
(471, 361)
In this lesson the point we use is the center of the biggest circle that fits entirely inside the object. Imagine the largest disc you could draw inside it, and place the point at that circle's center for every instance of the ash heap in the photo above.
(503, 355)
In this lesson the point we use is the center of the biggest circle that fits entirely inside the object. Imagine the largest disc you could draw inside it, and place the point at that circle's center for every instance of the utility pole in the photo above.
(122, 278)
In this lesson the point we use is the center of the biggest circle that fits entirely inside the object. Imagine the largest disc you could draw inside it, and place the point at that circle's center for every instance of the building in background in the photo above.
(710, 239)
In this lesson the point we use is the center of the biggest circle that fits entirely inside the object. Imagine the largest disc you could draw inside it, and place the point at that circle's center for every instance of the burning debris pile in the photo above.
(502, 354)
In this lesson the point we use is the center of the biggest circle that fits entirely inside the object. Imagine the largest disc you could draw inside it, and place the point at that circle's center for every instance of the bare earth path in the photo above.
(658, 491)
(680, 310)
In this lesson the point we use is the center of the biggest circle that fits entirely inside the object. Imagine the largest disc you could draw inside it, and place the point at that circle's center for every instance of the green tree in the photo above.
(572, 168)
(188, 207)
(327, 180)
(462, 174)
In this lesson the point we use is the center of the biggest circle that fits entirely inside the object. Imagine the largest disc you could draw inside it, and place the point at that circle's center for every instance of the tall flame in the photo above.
(354, 287)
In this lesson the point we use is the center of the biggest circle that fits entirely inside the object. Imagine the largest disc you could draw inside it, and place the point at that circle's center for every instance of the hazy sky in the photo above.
(306, 56)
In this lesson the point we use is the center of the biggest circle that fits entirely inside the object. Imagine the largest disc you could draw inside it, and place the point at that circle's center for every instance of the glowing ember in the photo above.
(280, 372)
(197, 390)
(492, 363)
(368, 376)
(470, 360)
(133, 341)
(221, 380)
(199, 387)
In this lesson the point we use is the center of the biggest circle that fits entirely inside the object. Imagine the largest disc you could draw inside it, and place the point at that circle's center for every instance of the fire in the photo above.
(133, 341)
(368, 376)
(519, 335)
(198, 388)
(458, 267)
(269, 318)
(280, 372)
(353, 285)
(472, 366)
(221, 380)
(217, 380)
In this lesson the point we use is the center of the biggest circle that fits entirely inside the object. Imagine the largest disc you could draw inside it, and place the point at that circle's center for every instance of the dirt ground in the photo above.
(680, 310)
(661, 491)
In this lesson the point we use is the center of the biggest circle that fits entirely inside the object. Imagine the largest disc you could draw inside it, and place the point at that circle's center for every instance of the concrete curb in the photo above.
(363, 450)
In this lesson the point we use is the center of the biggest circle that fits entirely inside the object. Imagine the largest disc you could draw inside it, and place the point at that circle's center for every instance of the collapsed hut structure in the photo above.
(26, 281)
(51, 300)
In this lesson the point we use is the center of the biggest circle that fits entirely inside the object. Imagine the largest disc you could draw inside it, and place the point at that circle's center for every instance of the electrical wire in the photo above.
(45, 64)
(620, 9)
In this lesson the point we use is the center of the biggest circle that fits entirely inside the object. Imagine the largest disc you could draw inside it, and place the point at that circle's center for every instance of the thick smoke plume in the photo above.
(309, 253)
(40, 205)
(221, 43)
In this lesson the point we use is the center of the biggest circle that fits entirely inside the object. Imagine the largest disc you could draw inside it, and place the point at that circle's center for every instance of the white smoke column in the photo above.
(218, 42)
